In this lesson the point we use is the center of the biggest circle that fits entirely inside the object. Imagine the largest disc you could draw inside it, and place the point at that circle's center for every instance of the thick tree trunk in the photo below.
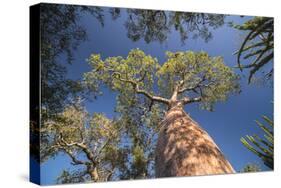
(185, 149)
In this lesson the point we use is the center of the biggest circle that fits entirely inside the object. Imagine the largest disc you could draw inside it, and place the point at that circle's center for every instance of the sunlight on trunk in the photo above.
(185, 149)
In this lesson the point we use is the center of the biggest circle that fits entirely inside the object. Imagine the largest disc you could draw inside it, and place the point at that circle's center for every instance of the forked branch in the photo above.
(182, 90)
(141, 91)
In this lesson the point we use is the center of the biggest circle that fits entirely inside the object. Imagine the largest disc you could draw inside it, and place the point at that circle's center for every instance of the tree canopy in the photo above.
(155, 25)
(92, 142)
(145, 88)
(60, 35)
(195, 76)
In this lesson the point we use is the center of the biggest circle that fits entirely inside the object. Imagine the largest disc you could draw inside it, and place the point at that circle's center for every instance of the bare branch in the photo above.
(187, 100)
(75, 161)
(82, 146)
(118, 74)
(61, 139)
(152, 97)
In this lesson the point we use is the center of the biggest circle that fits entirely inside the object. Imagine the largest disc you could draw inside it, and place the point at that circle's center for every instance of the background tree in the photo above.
(151, 25)
(196, 24)
(155, 25)
(251, 168)
(185, 78)
(93, 144)
(257, 47)
(141, 122)
(60, 35)
(262, 147)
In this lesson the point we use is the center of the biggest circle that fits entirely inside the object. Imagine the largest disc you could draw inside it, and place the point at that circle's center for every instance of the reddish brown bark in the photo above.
(185, 149)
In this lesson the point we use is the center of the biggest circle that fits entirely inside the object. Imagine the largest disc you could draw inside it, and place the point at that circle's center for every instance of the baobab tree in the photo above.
(183, 147)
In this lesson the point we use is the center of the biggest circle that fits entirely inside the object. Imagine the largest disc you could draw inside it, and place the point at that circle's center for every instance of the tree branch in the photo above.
(187, 100)
(69, 153)
(142, 77)
(73, 158)
(193, 87)
(109, 175)
(141, 91)
(152, 97)
(82, 146)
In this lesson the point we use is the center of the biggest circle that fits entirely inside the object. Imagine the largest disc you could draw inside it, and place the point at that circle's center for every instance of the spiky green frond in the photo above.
(263, 148)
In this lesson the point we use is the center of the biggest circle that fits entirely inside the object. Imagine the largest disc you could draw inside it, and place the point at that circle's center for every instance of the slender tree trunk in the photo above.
(185, 149)
(94, 174)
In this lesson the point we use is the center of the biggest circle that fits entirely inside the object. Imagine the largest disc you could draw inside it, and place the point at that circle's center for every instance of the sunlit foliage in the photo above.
(146, 89)
(195, 76)
(142, 123)
(92, 143)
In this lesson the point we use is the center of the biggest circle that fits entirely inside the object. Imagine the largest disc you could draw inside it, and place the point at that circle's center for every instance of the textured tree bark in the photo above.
(185, 149)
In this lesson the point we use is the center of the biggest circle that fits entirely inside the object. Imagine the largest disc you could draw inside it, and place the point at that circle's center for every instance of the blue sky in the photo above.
(231, 119)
